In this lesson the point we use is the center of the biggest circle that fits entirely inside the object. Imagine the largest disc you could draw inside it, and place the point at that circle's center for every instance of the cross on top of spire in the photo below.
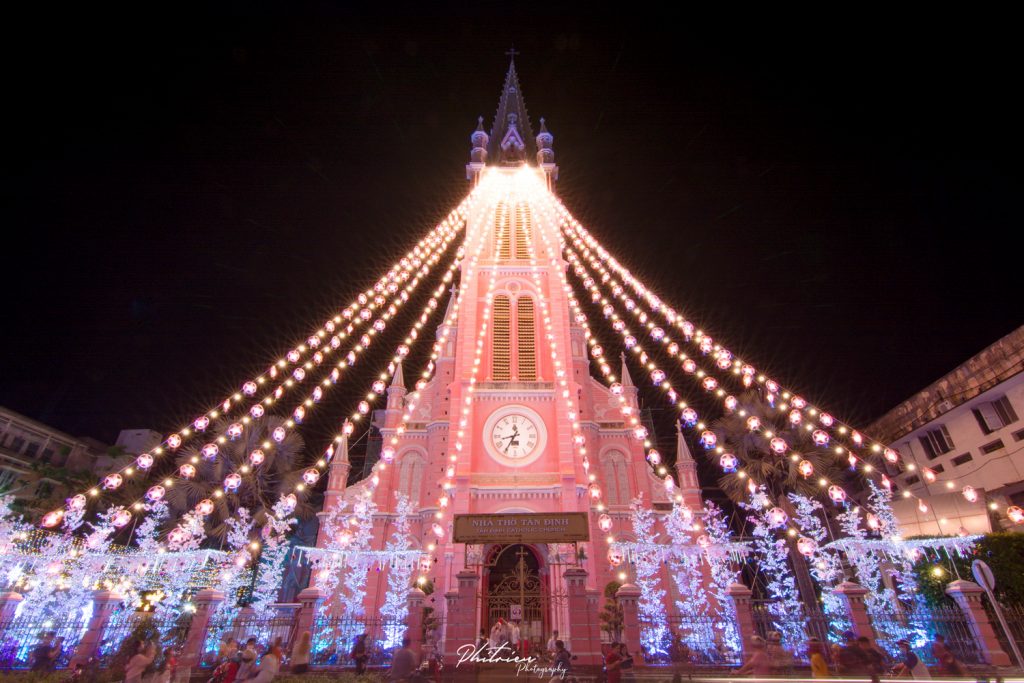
(511, 118)
(511, 52)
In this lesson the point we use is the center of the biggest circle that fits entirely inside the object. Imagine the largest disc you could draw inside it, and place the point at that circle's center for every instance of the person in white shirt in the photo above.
(551, 642)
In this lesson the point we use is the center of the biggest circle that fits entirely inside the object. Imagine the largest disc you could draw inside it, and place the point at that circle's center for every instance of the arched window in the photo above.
(523, 230)
(501, 359)
(501, 237)
(616, 478)
(525, 344)
(410, 475)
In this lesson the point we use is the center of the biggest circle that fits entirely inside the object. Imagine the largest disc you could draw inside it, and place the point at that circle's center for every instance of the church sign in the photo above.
(541, 527)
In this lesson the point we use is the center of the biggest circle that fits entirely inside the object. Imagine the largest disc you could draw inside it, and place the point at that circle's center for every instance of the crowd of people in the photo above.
(856, 656)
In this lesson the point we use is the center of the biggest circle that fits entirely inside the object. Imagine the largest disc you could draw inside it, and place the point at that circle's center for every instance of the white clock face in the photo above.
(514, 435)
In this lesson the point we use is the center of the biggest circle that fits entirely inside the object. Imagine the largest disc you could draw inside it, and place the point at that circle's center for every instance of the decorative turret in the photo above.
(686, 472)
(478, 154)
(545, 154)
(337, 477)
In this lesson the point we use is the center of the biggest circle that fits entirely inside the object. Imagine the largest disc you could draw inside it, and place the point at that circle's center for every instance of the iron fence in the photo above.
(811, 623)
(1014, 620)
(700, 641)
(278, 629)
(334, 637)
(920, 626)
(170, 630)
(19, 638)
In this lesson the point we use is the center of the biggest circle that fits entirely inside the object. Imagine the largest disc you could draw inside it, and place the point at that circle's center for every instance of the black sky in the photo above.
(188, 199)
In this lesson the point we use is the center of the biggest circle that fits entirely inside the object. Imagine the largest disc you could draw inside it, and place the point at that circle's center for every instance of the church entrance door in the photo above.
(516, 591)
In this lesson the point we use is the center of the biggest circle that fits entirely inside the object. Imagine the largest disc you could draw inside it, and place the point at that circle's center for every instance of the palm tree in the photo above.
(779, 474)
(262, 483)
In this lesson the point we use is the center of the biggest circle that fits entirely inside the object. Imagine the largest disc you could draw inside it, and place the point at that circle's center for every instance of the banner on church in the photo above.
(539, 527)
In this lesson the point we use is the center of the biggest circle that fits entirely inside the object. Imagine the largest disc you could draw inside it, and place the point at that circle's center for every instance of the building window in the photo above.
(17, 443)
(994, 415)
(616, 479)
(32, 449)
(938, 469)
(501, 370)
(992, 446)
(911, 480)
(410, 476)
(47, 455)
(961, 459)
(936, 442)
(501, 244)
(514, 337)
(525, 346)
(1018, 435)
(523, 230)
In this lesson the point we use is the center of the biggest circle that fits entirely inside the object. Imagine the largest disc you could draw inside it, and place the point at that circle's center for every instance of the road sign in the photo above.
(515, 612)
(983, 575)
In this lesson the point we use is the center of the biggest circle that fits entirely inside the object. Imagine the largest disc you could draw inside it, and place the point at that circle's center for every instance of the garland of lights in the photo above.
(726, 361)
(389, 282)
(773, 562)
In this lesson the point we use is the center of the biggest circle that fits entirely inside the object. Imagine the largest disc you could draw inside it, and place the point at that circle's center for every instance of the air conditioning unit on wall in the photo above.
(944, 406)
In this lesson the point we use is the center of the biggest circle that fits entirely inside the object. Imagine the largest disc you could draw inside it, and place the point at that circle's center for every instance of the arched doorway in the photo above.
(516, 589)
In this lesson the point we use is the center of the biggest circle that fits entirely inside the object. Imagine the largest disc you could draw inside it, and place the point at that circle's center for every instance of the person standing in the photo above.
(563, 659)
(360, 654)
(270, 665)
(627, 663)
(551, 643)
(816, 655)
(948, 665)
(759, 664)
(403, 663)
(143, 657)
(41, 659)
(910, 665)
(300, 654)
(514, 635)
(613, 663)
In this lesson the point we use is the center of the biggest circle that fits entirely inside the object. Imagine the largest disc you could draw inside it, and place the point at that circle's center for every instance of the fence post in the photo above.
(852, 598)
(742, 607)
(967, 595)
(310, 600)
(414, 622)
(461, 617)
(628, 596)
(103, 605)
(584, 635)
(9, 602)
(206, 601)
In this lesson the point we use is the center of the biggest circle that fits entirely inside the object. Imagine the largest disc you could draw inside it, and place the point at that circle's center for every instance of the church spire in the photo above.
(511, 139)
(627, 381)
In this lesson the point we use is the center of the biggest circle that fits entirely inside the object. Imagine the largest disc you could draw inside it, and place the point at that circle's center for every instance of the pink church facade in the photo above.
(510, 319)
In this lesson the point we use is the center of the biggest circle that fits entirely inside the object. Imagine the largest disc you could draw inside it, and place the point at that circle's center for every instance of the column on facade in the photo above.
(103, 605)
(968, 597)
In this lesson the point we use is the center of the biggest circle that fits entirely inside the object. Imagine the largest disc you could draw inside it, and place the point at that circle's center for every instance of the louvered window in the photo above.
(501, 244)
(526, 345)
(501, 370)
(524, 230)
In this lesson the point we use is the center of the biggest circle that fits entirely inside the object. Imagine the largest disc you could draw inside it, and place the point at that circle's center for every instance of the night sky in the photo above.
(185, 201)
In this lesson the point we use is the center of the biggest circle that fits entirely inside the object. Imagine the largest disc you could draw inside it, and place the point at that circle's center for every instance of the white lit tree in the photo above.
(723, 573)
(654, 635)
(686, 569)
(272, 558)
(772, 554)
(396, 601)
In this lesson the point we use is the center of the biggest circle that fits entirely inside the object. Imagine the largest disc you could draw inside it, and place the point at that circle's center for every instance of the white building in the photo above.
(962, 430)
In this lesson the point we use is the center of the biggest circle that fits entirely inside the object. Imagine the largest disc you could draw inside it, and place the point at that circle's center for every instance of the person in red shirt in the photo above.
(613, 663)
